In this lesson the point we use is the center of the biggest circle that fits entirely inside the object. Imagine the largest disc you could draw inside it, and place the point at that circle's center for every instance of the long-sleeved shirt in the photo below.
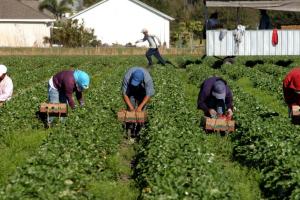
(205, 94)
(6, 89)
(147, 83)
(291, 83)
(64, 81)
(151, 40)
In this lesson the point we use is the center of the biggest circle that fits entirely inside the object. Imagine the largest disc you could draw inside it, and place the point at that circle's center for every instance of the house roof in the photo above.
(14, 10)
(285, 5)
(134, 1)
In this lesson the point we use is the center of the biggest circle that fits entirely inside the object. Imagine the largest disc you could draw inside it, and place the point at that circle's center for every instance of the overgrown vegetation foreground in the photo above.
(88, 157)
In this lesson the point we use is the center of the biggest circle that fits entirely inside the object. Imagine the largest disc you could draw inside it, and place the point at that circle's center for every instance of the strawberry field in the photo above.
(89, 157)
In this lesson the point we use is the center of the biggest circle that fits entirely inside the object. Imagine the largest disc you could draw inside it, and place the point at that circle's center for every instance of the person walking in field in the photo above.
(137, 88)
(6, 85)
(62, 85)
(153, 47)
(215, 98)
(291, 89)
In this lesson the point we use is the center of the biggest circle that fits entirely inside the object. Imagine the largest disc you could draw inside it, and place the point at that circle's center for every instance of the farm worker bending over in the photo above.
(62, 85)
(6, 85)
(291, 88)
(153, 47)
(137, 88)
(215, 97)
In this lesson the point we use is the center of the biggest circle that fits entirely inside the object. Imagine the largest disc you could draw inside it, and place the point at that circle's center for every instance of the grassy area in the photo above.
(267, 99)
(17, 148)
(120, 165)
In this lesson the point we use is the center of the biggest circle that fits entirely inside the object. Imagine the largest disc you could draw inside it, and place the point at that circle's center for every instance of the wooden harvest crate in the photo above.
(54, 109)
(219, 125)
(132, 116)
(290, 27)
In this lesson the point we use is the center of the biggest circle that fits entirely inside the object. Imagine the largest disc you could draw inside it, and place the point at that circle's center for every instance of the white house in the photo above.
(121, 21)
(22, 25)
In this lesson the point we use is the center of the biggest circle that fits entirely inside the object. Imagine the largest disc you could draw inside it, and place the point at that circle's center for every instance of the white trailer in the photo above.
(253, 42)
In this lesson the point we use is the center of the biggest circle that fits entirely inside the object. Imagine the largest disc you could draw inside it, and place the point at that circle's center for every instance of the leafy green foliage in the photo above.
(174, 161)
(80, 159)
(57, 7)
(264, 139)
(75, 154)
(72, 33)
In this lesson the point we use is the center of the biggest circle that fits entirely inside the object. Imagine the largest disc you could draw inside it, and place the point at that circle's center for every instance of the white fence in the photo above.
(253, 42)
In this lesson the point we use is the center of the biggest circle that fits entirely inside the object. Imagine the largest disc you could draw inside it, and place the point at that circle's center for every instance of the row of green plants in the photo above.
(77, 157)
(77, 152)
(263, 140)
(174, 159)
(30, 76)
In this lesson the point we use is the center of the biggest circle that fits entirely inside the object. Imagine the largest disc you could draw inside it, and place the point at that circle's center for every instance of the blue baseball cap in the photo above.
(82, 79)
(137, 77)
(219, 90)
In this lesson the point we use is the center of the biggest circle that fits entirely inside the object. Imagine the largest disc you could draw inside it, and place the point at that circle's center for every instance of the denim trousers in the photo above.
(54, 96)
(157, 55)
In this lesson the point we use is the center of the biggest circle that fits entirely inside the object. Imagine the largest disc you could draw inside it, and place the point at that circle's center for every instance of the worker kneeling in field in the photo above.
(6, 85)
(137, 88)
(62, 85)
(291, 89)
(215, 98)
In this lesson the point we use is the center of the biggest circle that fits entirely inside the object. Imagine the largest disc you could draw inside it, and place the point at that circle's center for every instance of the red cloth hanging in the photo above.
(274, 37)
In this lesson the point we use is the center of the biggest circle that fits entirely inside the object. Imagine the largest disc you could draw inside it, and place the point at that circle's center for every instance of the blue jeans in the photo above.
(157, 55)
(54, 96)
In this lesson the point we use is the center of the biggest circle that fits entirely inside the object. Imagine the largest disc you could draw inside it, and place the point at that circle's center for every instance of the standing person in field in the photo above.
(215, 98)
(291, 88)
(213, 22)
(137, 88)
(265, 22)
(153, 47)
(62, 85)
(6, 85)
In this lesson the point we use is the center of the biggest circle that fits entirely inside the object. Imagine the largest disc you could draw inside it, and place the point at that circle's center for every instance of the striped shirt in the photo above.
(151, 40)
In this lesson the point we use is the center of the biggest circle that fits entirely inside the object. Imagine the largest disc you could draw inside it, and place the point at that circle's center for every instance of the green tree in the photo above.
(58, 8)
(71, 33)
(88, 3)
(187, 31)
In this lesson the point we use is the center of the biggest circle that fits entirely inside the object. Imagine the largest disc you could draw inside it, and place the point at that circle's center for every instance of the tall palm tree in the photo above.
(57, 7)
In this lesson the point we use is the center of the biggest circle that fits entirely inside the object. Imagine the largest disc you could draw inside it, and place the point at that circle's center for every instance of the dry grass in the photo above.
(95, 51)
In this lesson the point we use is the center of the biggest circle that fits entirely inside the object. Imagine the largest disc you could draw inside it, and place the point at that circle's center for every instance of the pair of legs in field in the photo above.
(134, 128)
(154, 52)
(54, 96)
